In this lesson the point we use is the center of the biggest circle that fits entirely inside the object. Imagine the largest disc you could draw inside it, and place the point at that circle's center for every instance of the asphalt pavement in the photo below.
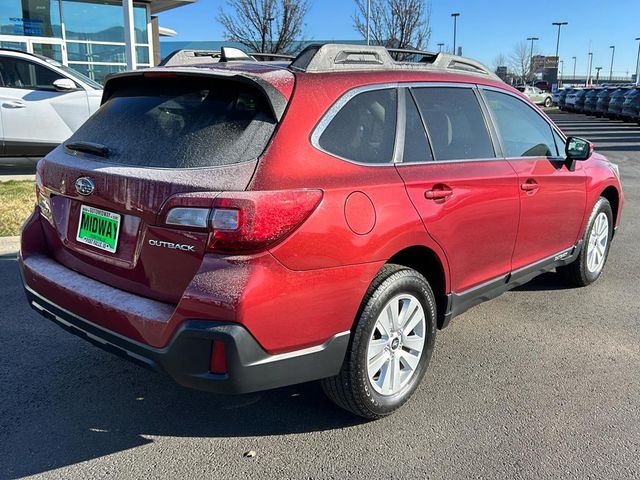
(17, 168)
(542, 382)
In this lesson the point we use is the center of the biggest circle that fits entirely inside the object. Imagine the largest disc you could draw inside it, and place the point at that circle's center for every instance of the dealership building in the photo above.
(95, 37)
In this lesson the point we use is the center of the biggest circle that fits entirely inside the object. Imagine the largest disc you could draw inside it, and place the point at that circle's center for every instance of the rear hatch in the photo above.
(161, 140)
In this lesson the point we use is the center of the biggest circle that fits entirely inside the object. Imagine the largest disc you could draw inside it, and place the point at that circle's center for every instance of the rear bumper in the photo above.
(187, 356)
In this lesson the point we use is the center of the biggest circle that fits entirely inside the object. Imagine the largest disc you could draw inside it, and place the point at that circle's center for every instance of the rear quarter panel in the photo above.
(326, 239)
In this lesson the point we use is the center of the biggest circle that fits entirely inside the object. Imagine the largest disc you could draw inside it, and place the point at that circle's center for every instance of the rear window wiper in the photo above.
(89, 147)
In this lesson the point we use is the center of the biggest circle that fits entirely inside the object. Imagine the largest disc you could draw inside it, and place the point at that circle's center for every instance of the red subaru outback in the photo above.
(244, 226)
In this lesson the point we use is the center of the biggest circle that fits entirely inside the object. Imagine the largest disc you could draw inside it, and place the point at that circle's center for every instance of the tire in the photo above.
(354, 389)
(586, 269)
(547, 102)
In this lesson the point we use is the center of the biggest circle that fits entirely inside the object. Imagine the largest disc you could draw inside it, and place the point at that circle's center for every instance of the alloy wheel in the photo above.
(396, 344)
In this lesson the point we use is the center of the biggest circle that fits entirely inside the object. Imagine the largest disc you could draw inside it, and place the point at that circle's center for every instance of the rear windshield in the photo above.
(181, 123)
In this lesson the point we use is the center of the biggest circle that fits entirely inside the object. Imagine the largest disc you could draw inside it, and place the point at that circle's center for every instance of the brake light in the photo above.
(157, 74)
(252, 221)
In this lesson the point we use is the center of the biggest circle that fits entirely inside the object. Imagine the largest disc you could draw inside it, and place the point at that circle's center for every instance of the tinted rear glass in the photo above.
(364, 129)
(181, 123)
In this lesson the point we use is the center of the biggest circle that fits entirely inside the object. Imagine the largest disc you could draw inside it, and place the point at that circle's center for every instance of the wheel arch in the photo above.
(427, 263)
(613, 196)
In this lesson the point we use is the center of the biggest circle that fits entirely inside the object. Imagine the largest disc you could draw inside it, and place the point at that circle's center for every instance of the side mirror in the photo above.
(65, 85)
(578, 148)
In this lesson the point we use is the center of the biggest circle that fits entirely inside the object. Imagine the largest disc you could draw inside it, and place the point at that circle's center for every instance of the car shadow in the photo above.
(545, 281)
(65, 401)
(119, 406)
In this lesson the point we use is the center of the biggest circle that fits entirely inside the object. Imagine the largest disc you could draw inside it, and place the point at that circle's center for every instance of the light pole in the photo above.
(598, 74)
(368, 18)
(561, 72)
(613, 52)
(638, 65)
(531, 56)
(559, 25)
(455, 25)
(440, 45)
(574, 69)
(588, 82)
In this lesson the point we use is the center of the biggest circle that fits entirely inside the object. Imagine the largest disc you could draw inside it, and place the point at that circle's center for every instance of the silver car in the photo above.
(536, 95)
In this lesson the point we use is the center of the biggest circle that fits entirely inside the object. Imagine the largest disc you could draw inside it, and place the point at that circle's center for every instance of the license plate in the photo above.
(98, 228)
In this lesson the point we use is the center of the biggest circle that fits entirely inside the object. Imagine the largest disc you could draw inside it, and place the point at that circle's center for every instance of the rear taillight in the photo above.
(252, 221)
(42, 199)
(245, 222)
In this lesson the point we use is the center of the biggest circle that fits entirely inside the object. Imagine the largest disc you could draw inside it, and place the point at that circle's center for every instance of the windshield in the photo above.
(71, 72)
(83, 78)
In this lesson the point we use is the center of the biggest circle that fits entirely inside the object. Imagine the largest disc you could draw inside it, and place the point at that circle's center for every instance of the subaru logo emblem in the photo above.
(85, 186)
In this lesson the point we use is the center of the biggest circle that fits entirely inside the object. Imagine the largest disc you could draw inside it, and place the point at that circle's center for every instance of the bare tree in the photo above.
(500, 60)
(520, 61)
(395, 23)
(264, 25)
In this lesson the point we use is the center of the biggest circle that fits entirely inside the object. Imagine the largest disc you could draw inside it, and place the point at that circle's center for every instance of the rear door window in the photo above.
(364, 129)
(455, 123)
(416, 146)
(181, 123)
(523, 131)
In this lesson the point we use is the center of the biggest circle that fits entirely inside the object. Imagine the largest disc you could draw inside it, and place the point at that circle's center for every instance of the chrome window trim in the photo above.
(328, 116)
(396, 159)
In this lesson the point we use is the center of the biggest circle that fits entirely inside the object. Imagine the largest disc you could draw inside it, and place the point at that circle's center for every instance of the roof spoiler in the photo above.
(277, 100)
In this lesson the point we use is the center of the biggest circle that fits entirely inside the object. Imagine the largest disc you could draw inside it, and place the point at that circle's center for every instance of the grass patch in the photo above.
(16, 204)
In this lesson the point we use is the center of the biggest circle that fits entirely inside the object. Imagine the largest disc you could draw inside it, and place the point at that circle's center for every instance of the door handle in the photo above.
(530, 185)
(14, 104)
(439, 192)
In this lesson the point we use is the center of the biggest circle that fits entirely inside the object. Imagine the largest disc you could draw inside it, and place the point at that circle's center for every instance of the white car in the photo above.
(536, 95)
(42, 103)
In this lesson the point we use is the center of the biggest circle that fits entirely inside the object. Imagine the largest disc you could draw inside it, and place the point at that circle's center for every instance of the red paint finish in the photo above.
(359, 213)
(552, 206)
(471, 210)
(474, 216)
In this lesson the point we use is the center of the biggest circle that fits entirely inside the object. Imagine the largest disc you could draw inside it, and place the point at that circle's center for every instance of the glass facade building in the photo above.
(87, 35)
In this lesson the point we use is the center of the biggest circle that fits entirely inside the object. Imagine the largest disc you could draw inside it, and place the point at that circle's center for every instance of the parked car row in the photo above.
(616, 103)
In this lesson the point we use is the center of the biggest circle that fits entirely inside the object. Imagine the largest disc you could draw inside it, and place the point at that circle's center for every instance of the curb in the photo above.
(9, 245)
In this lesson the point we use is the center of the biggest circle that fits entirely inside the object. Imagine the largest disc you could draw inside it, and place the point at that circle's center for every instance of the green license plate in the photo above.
(98, 228)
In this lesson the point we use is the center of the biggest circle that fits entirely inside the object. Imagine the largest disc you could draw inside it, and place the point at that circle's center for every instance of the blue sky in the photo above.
(485, 27)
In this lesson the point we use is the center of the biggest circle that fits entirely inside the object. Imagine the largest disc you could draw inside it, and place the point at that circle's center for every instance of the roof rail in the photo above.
(188, 56)
(334, 57)
(283, 56)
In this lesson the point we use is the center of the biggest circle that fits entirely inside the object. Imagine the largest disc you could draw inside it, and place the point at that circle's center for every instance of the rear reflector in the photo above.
(218, 362)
